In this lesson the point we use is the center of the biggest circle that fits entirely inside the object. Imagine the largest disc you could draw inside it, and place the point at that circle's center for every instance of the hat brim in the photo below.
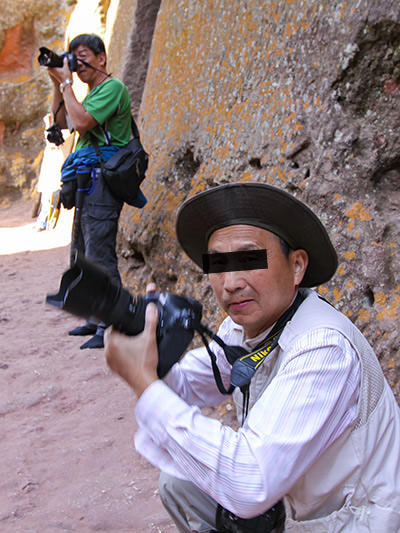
(261, 205)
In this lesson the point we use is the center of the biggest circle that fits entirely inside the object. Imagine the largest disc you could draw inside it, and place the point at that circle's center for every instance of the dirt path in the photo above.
(66, 423)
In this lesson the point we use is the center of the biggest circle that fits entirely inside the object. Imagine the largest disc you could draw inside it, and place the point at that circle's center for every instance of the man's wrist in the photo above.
(64, 84)
(142, 384)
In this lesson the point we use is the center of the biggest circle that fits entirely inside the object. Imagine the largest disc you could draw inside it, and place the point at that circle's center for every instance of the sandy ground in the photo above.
(66, 423)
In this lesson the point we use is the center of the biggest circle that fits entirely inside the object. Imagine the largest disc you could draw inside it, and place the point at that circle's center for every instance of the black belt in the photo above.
(271, 520)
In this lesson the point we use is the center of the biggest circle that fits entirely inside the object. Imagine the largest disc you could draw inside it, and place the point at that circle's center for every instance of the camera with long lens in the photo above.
(48, 58)
(86, 290)
(54, 135)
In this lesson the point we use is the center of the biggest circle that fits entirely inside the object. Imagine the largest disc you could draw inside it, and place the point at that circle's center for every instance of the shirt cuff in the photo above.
(156, 406)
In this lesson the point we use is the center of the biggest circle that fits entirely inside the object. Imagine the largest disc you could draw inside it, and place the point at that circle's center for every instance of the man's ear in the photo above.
(103, 59)
(299, 260)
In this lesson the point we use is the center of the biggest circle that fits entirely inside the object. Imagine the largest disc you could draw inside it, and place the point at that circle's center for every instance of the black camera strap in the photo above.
(57, 110)
(244, 364)
(108, 75)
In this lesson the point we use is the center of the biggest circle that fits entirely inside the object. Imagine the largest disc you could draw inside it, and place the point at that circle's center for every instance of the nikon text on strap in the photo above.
(244, 364)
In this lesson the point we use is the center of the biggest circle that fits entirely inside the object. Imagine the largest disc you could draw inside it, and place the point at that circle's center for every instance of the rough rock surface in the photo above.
(301, 95)
(24, 87)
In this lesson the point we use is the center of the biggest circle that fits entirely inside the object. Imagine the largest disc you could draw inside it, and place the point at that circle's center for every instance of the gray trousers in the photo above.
(191, 509)
(97, 231)
(99, 226)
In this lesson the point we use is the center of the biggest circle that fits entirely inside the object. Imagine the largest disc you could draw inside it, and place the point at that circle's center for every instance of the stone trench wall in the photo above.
(300, 94)
(24, 88)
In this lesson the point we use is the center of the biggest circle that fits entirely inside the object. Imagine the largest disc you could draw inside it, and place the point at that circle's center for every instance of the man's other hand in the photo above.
(135, 358)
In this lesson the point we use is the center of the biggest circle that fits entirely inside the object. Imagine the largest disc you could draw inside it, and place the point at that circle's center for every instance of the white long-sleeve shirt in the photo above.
(310, 400)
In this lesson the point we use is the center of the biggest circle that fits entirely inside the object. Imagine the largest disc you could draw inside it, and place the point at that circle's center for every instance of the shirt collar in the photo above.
(250, 344)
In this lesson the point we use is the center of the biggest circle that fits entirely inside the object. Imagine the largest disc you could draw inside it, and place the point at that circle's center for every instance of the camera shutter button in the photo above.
(64, 84)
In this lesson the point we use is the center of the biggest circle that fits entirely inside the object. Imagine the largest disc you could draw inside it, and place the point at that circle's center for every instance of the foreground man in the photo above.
(321, 426)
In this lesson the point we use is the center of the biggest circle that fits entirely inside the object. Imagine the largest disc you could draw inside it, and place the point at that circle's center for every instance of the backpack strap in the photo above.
(135, 131)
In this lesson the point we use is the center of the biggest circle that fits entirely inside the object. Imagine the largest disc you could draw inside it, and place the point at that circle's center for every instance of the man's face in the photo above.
(85, 73)
(255, 299)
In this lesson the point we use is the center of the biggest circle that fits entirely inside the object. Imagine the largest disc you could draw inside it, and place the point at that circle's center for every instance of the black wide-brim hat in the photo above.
(260, 205)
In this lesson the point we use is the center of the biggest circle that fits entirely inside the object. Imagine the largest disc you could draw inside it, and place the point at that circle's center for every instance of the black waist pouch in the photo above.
(271, 521)
(125, 171)
(68, 192)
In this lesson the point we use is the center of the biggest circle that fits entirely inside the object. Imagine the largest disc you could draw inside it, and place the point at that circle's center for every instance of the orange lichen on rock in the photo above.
(349, 255)
(363, 315)
(358, 212)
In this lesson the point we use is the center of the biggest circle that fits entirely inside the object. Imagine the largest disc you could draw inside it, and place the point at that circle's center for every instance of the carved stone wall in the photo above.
(24, 89)
(301, 95)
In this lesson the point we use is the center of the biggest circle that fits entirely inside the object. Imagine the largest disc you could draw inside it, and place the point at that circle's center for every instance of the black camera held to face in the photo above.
(48, 58)
(86, 290)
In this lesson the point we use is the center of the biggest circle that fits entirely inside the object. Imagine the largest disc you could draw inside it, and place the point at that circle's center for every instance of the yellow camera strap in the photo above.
(244, 364)
(244, 368)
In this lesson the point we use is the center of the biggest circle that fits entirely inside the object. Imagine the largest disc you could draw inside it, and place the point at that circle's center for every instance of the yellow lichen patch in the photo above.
(341, 270)
(358, 212)
(349, 255)
(37, 161)
(363, 315)
(391, 364)
(380, 298)
(322, 290)
(392, 310)
(246, 176)
(337, 294)
(350, 284)
(342, 10)
(380, 315)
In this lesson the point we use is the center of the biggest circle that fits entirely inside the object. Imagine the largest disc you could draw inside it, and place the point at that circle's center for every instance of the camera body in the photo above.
(86, 290)
(54, 135)
(48, 58)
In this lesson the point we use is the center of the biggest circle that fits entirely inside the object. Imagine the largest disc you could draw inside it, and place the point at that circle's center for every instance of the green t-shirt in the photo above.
(108, 103)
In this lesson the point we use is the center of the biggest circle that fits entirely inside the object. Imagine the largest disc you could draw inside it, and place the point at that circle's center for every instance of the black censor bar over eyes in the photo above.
(215, 263)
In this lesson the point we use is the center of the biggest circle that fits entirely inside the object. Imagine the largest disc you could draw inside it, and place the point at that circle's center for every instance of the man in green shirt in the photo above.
(104, 115)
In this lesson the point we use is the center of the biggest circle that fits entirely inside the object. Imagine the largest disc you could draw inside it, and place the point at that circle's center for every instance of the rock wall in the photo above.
(24, 89)
(300, 94)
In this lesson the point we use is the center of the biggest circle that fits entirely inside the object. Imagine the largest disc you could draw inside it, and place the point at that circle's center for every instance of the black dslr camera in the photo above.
(54, 135)
(86, 290)
(48, 58)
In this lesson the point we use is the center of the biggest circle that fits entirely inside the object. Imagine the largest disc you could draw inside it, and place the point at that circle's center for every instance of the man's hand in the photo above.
(60, 74)
(135, 358)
